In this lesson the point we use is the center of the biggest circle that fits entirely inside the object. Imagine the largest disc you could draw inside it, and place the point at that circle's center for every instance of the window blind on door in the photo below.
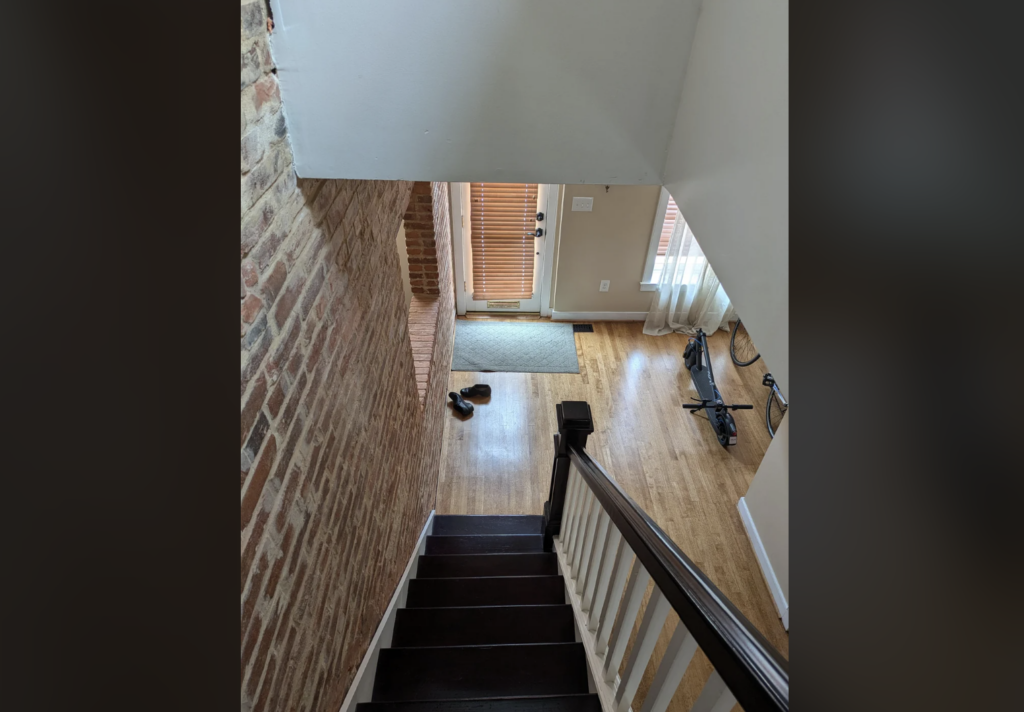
(671, 213)
(502, 215)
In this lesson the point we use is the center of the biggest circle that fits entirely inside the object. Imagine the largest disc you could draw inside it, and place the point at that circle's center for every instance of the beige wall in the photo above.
(608, 243)
(768, 502)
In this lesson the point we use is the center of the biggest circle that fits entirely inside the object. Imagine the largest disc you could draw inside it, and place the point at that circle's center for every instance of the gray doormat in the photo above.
(519, 347)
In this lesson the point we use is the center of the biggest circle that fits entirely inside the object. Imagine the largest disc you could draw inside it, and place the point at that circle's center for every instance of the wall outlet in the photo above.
(583, 204)
(605, 283)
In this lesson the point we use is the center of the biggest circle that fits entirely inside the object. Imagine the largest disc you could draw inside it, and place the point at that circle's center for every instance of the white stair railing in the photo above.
(606, 580)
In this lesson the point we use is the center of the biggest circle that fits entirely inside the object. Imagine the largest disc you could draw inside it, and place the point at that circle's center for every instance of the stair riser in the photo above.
(522, 591)
(566, 703)
(472, 672)
(497, 625)
(485, 544)
(463, 565)
(450, 524)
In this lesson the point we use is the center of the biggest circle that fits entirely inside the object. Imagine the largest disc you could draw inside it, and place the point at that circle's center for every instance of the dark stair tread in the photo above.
(485, 591)
(487, 625)
(463, 672)
(551, 703)
(452, 524)
(462, 565)
(484, 543)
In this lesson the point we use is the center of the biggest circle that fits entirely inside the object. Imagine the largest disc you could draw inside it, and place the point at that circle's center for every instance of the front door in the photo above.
(503, 246)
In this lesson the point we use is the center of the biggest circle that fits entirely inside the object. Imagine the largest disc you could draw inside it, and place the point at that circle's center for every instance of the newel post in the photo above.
(574, 425)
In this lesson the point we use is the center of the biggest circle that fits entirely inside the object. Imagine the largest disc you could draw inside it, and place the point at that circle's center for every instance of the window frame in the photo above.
(646, 285)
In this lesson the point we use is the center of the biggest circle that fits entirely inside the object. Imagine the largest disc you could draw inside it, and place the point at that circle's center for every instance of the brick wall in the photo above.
(420, 242)
(338, 462)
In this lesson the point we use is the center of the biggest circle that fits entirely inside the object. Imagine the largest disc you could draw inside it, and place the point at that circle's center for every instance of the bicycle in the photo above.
(699, 365)
(776, 407)
(742, 348)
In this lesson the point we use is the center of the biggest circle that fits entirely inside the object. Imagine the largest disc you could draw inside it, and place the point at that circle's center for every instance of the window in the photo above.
(689, 267)
(664, 223)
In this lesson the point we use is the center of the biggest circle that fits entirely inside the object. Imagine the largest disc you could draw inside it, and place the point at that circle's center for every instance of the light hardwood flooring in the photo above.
(498, 461)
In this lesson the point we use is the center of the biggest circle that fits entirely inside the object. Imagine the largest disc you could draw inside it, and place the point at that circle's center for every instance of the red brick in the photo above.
(285, 304)
(266, 90)
(250, 308)
(276, 399)
(255, 593)
(259, 479)
(250, 641)
(259, 662)
(268, 684)
(252, 405)
(312, 291)
(249, 274)
(274, 281)
(313, 357)
(275, 573)
(293, 404)
(294, 480)
(350, 323)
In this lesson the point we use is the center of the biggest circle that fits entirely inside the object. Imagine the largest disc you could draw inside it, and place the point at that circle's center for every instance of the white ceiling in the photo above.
(548, 91)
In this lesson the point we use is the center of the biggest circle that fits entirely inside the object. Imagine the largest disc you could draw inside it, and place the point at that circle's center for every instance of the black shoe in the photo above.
(464, 408)
(481, 389)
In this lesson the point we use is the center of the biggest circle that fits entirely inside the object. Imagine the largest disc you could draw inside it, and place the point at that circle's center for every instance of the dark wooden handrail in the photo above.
(752, 668)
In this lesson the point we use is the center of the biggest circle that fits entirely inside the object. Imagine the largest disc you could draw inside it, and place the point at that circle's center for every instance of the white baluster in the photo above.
(715, 697)
(634, 597)
(582, 502)
(623, 559)
(571, 497)
(588, 516)
(671, 670)
(581, 492)
(650, 628)
(596, 510)
(604, 576)
(600, 542)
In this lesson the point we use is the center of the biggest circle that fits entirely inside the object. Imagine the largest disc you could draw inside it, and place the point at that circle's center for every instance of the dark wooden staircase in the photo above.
(486, 627)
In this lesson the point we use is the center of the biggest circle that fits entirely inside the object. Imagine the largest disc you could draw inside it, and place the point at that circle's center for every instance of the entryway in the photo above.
(503, 239)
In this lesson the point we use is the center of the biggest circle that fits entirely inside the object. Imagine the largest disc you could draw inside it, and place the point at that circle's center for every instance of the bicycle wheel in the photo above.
(741, 348)
(774, 411)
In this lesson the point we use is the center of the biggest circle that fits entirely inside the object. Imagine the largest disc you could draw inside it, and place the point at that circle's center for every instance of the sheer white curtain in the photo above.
(689, 294)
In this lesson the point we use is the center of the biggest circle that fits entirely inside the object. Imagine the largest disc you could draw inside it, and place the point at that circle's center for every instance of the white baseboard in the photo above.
(762, 559)
(361, 688)
(597, 316)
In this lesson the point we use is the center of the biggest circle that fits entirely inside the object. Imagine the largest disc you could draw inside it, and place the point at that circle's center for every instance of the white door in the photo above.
(502, 246)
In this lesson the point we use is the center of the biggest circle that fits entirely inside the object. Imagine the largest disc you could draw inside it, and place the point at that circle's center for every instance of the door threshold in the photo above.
(503, 316)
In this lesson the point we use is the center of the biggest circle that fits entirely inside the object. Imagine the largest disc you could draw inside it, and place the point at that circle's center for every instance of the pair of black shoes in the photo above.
(464, 407)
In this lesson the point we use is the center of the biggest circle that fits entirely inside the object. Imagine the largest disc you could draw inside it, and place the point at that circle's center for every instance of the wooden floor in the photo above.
(498, 461)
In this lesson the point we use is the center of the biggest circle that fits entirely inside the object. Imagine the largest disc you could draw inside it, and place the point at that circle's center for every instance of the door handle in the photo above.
(539, 233)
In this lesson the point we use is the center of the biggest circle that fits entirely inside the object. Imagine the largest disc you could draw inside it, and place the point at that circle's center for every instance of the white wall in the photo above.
(767, 500)
(728, 162)
(546, 91)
